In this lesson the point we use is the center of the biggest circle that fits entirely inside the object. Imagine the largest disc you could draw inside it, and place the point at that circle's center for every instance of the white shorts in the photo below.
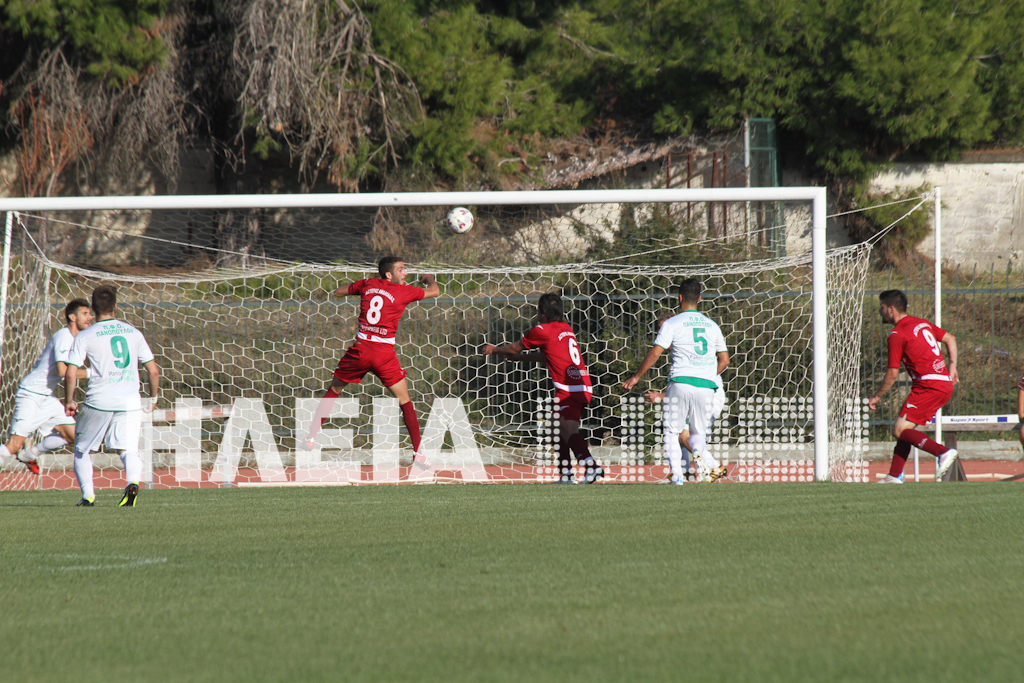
(120, 430)
(34, 411)
(687, 407)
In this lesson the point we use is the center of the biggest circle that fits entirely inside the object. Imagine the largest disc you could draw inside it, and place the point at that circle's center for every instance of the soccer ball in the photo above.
(459, 220)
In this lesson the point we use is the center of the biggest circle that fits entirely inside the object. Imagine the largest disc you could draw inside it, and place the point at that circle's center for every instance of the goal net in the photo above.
(237, 305)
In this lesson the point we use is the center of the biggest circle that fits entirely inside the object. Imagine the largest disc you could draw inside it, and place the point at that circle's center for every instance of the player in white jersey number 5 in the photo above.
(36, 407)
(699, 356)
(113, 407)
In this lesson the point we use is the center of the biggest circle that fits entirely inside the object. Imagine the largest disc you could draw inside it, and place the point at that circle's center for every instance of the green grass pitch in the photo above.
(765, 582)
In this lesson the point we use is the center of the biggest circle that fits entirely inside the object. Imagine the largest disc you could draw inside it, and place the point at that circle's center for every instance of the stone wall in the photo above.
(982, 210)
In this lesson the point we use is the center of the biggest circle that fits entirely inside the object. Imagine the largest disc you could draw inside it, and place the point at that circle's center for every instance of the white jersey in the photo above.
(114, 350)
(694, 341)
(43, 378)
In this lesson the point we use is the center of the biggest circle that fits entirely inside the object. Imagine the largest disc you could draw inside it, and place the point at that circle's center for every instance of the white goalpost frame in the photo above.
(938, 296)
(937, 310)
(5, 277)
(815, 195)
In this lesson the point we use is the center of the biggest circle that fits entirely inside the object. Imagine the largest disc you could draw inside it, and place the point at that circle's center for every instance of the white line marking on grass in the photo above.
(75, 562)
(135, 563)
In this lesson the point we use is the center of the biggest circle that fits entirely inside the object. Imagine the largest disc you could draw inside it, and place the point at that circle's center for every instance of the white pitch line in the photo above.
(122, 562)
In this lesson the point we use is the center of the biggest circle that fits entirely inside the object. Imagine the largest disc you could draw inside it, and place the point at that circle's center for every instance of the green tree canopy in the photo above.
(472, 94)
(114, 41)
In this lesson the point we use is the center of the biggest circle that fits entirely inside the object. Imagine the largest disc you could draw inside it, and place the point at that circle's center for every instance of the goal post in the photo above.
(211, 310)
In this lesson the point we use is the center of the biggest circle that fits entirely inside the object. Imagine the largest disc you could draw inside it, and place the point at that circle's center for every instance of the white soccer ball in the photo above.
(459, 220)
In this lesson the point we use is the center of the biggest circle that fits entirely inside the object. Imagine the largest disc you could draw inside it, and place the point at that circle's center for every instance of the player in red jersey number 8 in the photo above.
(382, 301)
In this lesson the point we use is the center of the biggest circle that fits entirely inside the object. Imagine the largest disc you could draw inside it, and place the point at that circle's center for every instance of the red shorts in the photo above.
(364, 357)
(571, 407)
(924, 401)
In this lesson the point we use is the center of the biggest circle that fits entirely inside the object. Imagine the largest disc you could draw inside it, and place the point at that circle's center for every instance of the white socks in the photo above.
(132, 466)
(51, 442)
(83, 472)
(674, 453)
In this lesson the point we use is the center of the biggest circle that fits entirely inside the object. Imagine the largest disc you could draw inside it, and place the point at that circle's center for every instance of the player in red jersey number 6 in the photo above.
(382, 300)
(914, 342)
(557, 345)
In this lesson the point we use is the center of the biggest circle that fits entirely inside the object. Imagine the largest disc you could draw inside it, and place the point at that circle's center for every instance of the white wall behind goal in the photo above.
(982, 210)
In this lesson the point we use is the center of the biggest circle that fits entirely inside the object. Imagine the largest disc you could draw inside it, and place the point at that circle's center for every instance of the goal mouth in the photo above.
(251, 331)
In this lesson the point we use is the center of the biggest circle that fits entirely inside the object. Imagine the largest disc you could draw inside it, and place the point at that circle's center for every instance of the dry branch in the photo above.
(310, 78)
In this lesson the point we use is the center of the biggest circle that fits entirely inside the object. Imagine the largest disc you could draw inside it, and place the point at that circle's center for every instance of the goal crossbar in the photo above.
(378, 199)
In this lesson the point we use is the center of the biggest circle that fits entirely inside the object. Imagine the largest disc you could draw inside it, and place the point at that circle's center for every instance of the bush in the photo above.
(896, 235)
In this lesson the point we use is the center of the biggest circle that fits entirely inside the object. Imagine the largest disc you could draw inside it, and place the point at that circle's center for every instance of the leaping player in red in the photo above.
(915, 343)
(573, 390)
(382, 301)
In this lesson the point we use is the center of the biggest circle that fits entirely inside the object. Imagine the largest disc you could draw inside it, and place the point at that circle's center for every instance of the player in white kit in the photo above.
(699, 355)
(36, 406)
(112, 410)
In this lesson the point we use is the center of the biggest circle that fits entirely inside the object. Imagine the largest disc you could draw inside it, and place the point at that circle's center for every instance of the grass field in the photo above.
(778, 582)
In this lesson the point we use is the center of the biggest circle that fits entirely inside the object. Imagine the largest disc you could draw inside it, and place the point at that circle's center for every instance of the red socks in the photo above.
(908, 438)
(899, 458)
(322, 411)
(412, 424)
(564, 463)
(920, 440)
(579, 446)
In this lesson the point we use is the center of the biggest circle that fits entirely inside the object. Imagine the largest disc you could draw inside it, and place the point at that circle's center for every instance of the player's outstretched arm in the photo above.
(891, 375)
(528, 357)
(432, 289)
(346, 290)
(510, 349)
(649, 360)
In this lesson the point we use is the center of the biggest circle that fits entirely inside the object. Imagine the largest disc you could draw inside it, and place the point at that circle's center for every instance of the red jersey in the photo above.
(1020, 384)
(381, 307)
(915, 343)
(562, 353)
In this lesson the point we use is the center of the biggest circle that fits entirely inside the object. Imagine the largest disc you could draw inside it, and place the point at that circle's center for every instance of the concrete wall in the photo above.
(982, 210)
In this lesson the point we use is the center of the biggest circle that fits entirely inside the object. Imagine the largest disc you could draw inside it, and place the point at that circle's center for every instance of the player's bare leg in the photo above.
(67, 432)
(400, 390)
(690, 468)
